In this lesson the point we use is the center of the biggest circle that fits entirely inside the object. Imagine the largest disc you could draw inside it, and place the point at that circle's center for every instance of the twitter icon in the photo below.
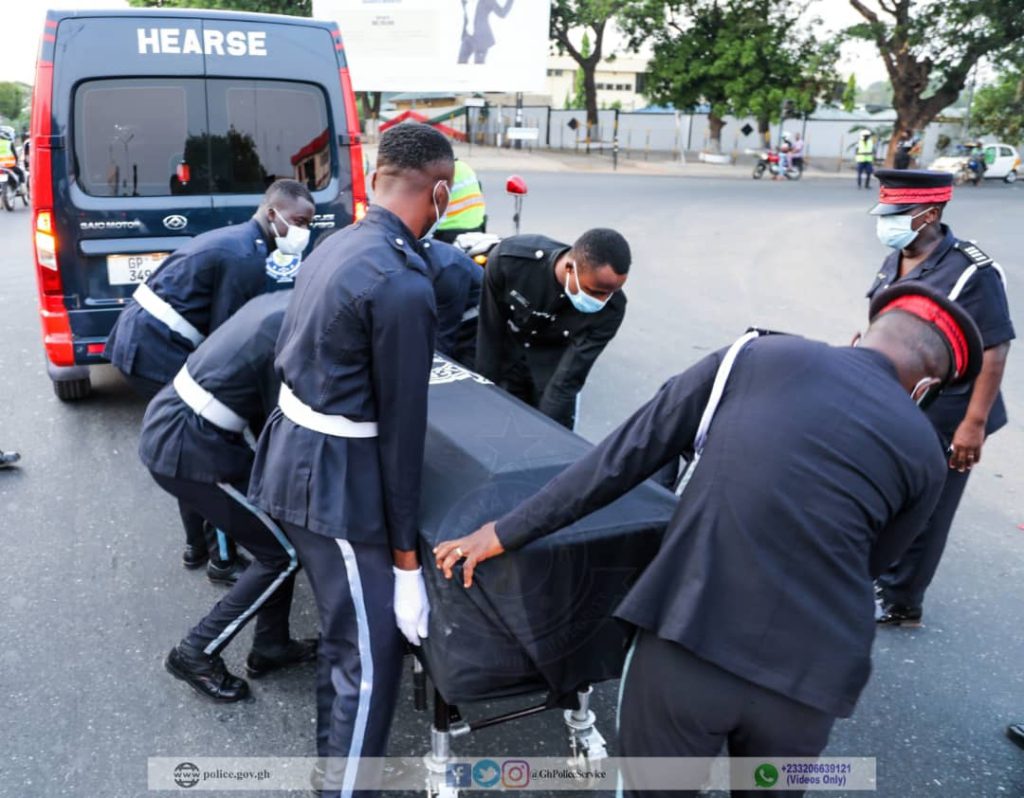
(486, 773)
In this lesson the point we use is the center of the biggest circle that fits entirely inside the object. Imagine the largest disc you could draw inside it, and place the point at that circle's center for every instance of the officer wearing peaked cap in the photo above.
(340, 460)
(759, 599)
(925, 251)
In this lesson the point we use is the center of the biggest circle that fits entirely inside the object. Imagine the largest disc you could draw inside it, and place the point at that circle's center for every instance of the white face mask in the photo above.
(438, 216)
(295, 239)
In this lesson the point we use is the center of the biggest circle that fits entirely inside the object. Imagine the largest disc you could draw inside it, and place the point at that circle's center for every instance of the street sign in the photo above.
(523, 134)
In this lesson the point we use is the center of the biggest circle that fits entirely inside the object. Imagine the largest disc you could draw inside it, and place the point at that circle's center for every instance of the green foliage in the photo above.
(579, 88)
(849, 101)
(930, 46)
(297, 8)
(998, 109)
(11, 100)
(744, 57)
(593, 16)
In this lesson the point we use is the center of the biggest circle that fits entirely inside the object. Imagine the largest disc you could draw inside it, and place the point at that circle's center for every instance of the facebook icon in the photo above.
(458, 774)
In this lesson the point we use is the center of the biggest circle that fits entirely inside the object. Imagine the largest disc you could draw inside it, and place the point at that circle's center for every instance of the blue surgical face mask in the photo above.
(581, 300)
(897, 231)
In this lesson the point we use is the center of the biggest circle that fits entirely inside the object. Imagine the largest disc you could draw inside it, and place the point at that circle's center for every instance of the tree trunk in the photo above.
(715, 125)
(590, 91)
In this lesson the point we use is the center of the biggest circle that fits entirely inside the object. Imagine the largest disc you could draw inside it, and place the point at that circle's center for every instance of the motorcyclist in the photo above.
(975, 152)
(8, 154)
(784, 149)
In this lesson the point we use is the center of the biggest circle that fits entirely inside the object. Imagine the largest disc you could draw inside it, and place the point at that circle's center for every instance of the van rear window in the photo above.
(157, 137)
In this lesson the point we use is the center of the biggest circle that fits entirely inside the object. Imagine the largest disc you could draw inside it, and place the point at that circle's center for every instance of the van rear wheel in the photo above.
(72, 390)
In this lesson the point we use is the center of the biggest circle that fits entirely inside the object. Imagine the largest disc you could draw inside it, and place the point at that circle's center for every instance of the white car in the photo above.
(1001, 160)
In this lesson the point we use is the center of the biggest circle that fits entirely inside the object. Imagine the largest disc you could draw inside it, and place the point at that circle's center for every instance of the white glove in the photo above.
(412, 609)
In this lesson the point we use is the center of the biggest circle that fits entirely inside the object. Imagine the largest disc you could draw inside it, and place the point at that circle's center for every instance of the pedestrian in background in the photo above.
(865, 158)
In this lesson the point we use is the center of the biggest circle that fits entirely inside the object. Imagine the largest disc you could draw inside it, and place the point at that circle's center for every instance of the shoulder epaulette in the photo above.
(974, 253)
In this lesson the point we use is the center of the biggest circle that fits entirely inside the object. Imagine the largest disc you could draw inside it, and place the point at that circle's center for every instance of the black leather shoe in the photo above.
(1015, 731)
(900, 615)
(7, 459)
(259, 664)
(206, 675)
(194, 556)
(226, 572)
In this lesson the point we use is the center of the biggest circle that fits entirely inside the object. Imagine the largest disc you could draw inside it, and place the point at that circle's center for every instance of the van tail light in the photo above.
(52, 312)
(355, 147)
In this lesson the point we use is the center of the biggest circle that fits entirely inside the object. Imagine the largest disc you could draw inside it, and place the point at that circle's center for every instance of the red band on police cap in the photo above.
(914, 196)
(930, 311)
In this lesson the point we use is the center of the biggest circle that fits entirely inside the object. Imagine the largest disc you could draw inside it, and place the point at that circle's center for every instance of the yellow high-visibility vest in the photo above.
(466, 209)
(865, 151)
(7, 156)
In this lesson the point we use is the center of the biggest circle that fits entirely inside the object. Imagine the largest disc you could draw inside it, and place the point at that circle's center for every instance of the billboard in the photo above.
(443, 45)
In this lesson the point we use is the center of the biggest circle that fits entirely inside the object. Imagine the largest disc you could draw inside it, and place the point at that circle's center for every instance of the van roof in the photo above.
(194, 13)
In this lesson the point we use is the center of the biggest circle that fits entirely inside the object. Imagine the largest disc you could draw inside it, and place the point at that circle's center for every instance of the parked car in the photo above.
(1001, 161)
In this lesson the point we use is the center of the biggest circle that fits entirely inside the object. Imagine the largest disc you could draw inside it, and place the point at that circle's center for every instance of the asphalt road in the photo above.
(92, 594)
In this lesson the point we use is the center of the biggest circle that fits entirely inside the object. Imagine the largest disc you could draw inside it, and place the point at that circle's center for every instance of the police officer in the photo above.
(815, 470)
(457, 284)
(547, 311)
(467, 212)
(340, 460)
(924, 250)
(193, 292)
(197, 439)
(865, 158)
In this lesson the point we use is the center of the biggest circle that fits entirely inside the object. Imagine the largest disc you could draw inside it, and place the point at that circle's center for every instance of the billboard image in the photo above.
(442, 45)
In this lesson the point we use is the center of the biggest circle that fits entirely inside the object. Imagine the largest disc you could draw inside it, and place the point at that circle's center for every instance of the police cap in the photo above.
(953, 324)
(902, 189)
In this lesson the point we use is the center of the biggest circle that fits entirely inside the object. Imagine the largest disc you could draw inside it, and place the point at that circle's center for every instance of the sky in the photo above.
(23, 24)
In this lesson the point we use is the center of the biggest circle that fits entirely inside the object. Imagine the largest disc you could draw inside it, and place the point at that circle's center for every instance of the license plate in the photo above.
(133, 269)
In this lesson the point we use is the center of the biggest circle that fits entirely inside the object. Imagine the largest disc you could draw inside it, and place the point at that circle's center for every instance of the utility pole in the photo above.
(519, 117)
(970, 102)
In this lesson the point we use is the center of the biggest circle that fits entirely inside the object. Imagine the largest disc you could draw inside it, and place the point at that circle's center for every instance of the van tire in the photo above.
(72, 390)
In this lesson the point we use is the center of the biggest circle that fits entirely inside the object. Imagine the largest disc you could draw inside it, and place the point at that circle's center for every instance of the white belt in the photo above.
(160, 309)
(208, 406)
(470, 314)
(296, 411)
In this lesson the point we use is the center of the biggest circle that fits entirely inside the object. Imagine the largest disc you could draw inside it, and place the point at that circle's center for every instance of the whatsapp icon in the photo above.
(766, 775)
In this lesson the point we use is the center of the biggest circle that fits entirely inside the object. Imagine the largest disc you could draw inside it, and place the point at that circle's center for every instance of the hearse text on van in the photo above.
(178, 41)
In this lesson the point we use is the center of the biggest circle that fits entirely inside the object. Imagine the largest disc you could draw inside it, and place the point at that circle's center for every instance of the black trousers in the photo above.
(264, 590)
(518, 381)
(906, 581)
(359, 662)
(674, 704)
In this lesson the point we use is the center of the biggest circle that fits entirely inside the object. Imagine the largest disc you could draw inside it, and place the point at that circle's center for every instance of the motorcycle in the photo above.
(769, 162)
(13, 184)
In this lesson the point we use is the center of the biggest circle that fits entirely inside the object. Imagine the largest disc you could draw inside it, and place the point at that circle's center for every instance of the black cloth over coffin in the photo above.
(536, 619)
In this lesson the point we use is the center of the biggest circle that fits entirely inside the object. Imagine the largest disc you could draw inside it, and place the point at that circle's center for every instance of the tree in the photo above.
(877, 94)
(297, 8)
(593, 16)
(998, 109)
(579, 83)
(742, 57)
(11, 100)
(930, 46)
(849, 100)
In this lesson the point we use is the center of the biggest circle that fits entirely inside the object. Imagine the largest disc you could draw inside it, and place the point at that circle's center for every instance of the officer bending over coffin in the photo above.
(754, 620)
(547, 311)
(196, 290)
(339, 462)
(197, 440)
(457, 282)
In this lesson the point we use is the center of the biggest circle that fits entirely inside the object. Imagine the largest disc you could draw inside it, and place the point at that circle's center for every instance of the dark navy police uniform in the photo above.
(340, 460)
(202, 285)
(983, 296)
(531, 340)
(818, 471)
(229, 380)
(457, 283)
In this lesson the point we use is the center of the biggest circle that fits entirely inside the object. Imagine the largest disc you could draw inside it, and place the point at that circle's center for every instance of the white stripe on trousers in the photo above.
(293, 563)
(619, 786)
(355, 749)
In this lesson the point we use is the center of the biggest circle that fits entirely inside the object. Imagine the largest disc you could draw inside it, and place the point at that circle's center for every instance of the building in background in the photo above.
(620, 81)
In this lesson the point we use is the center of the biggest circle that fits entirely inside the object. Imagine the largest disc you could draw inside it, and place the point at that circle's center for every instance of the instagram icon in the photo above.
(515, 774)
